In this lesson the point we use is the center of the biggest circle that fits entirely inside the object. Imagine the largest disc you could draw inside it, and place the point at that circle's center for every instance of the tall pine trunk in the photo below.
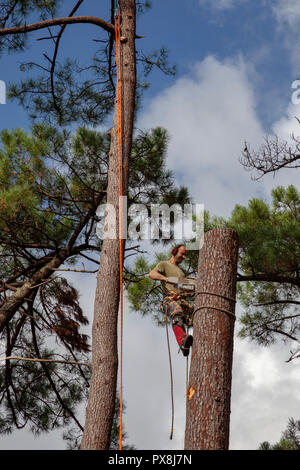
(208, 403)
(101, 403)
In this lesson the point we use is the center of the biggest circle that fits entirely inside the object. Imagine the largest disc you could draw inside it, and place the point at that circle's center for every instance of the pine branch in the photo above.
(31, 359)
(9, 308)
(46, 370)
(275, 302)
(59, 22)
(269, 278)
(76, 270)
(53, 62)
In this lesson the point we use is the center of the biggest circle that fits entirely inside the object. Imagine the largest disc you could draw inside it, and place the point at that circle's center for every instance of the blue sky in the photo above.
(236, 61)
(256, 40)
(191, 30)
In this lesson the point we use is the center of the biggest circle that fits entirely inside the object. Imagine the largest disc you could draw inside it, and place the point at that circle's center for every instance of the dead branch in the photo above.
(272, 156)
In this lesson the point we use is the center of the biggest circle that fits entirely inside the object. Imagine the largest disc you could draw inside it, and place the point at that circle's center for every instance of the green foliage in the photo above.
(49, 180)
(290, 439)
(148, 170)
(145, 295)
(77, 90)
(75, 98)
(17, 14)
(270, 309)
(269, 256)
(269, 236)
(157, 59)
(40, 188)
(41, 396)
(269, 249)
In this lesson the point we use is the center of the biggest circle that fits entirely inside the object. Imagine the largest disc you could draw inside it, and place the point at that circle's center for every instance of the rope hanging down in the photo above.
(171, 378)
(120, 162)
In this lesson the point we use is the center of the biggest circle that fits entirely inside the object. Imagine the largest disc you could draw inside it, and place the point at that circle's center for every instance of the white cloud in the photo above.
(264, 394)
(209, 115)
(287, 13)
(288, 124)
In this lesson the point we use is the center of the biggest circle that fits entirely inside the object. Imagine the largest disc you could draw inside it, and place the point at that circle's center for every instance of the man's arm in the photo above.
(156, 276)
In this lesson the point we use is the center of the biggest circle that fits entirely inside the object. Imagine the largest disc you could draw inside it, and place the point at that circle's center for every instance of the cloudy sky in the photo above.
(236, 61)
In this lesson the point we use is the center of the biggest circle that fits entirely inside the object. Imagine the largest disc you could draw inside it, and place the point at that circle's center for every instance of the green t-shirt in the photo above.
(168, 269)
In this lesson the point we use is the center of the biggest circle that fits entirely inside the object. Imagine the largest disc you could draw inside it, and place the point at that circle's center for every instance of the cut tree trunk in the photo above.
(209, 393)
(101, 403)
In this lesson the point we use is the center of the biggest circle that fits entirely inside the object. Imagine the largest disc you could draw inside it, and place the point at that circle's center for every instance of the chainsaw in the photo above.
(183, 283)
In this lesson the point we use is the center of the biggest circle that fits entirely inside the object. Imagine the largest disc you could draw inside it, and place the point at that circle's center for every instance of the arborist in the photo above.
(175, 305)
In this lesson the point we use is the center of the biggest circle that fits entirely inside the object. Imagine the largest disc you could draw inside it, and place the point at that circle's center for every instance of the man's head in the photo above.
(179, 253)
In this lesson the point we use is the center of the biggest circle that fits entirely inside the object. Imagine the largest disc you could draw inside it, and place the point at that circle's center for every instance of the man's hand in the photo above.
(183, 283)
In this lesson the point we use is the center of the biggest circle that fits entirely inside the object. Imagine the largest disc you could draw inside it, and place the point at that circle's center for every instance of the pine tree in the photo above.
(290, 439)
(269, 266)
(49, 183)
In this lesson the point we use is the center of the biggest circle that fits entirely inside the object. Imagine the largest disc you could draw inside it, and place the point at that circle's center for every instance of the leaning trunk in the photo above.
(208, 397)
(101, 403)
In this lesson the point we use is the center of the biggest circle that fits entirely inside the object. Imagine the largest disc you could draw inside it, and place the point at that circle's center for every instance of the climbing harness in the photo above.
(120, 164)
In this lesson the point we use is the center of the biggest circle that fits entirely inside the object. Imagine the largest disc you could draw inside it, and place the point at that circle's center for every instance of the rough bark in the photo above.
(208, 409)
(100, 409)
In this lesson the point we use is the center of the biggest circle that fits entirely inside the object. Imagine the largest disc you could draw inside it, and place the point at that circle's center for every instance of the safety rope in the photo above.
(217, 295)
(120, 165)
(187, 367)
(117, 8)
(171, 378)
(220, 309)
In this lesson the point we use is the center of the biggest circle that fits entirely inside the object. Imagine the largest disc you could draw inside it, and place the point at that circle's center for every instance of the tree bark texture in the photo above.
(101, 403)
(208, 400)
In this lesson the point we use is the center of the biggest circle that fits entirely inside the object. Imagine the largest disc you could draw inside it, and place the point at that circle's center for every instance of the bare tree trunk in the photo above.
(208, 403)
(100, 409)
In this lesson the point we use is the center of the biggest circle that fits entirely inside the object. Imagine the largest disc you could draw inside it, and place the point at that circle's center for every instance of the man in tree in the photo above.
(174, 304)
